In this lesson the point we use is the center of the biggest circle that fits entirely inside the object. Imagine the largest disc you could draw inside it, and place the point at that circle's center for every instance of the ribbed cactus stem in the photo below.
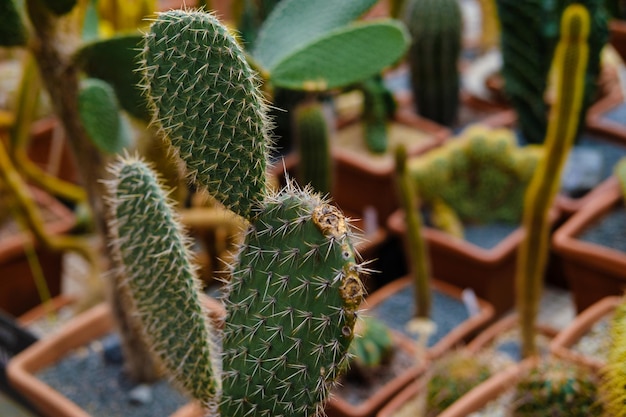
(313, 137)
(418, 255)
(613, 384)
(436, 28)
(376, 115)
(155, 257)
(291, 308)
(206, 99)
(570, 63)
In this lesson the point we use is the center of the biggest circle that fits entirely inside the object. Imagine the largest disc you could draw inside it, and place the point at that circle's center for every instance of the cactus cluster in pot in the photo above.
(292, 301)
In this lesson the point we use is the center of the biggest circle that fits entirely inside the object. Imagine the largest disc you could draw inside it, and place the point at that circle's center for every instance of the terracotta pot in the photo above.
(18, 292)
(597, 120)
(340, 407)
(489, 272)
(593, 271)
(561, 345)
(82, 329)
(489, 390)
(405, 396)
(460, 334)
(363, 179)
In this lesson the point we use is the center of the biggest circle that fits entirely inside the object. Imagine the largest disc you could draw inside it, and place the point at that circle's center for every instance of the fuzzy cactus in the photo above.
(569, 66)
(312, 136)
(451, 376)
(481, 176)
(436, 28)
(613, 376)
(558, 389)
(292, 301)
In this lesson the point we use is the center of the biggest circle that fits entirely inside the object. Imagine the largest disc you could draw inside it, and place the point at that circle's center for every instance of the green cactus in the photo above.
(620, 172)
(569, 65)
(378, 108)
(292, 301)
(558, 389)
(312, 136)
(220, 100)
(372, 344)
(436, 28)
(481, 176)
(613, 379)
(451, 376)
(529, 33)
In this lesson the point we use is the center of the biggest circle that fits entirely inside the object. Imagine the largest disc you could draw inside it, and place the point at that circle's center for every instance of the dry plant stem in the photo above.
(52, 49)
(30, 89)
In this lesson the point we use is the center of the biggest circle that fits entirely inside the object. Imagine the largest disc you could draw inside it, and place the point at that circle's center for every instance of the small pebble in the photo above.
(112, 350)
(140, 395)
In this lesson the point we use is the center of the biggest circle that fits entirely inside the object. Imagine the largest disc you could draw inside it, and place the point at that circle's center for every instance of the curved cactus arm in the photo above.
(295, 23)
(155, 258)
(291, 309)
(342, 57)
(206, 100)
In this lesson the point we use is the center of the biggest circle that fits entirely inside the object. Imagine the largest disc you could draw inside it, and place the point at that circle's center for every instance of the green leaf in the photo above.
(295, 23)
(12, 30)
(343, 57)
(100, 115)
(115, 60)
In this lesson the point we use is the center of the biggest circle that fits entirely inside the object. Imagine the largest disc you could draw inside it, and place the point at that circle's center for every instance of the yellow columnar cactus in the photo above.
(570, 63)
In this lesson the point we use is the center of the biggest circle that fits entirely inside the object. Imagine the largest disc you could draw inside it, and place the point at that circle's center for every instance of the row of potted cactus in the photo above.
(297, 246)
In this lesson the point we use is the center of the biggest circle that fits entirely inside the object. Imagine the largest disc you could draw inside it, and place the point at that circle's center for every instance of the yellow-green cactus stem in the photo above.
(613, 377)
(570, 63)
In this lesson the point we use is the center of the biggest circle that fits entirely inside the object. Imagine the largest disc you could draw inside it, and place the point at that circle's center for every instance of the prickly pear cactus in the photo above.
(313, 138)
(148, 239)
(291, 308)
(481, 175)
(435, 27)
(452, 376)
(206, 100)
(557, 389)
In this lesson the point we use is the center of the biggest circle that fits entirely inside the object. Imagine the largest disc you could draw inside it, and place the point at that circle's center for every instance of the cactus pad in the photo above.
(291, 309)
(206, 99)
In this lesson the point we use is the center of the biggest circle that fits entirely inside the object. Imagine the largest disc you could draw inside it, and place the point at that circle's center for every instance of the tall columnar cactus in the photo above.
(292, 301)
(436, 28)
(570, 63)
(313, 138)
(557, 389)
(529, 33)
(378, 108)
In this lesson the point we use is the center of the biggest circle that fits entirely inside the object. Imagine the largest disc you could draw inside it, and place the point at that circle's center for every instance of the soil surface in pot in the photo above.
(93, 378)
(358, 387)
(608, 230)
(396, 311)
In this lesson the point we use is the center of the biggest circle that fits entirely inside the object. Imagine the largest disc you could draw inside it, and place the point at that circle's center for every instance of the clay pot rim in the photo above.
(582, 323)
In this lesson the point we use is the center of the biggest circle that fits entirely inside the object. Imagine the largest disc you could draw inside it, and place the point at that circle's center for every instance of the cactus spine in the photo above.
(313, 138)
(292, 302)
(435, 27)
(570, 62)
